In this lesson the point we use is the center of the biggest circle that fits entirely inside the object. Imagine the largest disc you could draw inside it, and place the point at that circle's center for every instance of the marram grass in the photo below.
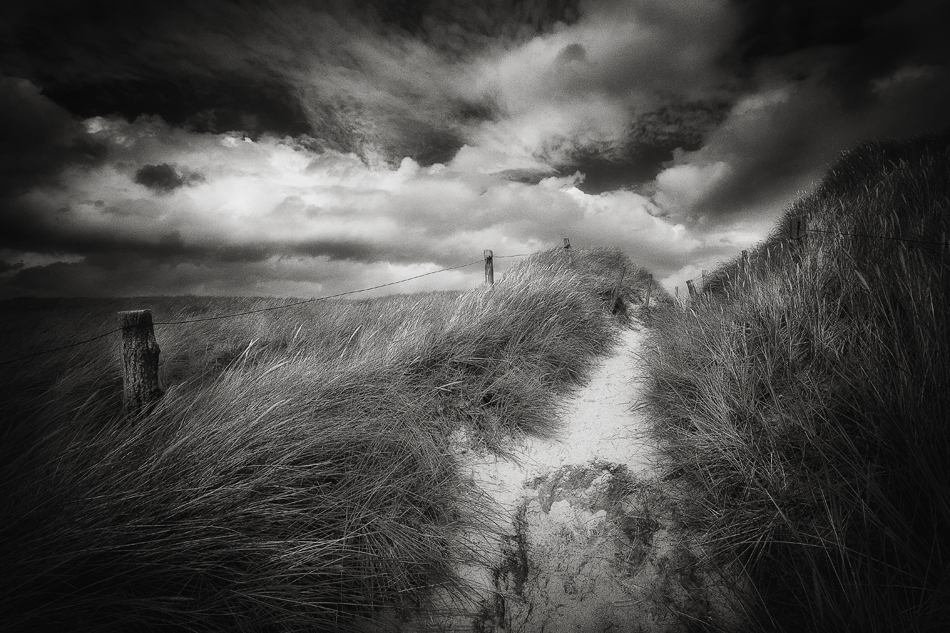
(803, 403)
(298, 474)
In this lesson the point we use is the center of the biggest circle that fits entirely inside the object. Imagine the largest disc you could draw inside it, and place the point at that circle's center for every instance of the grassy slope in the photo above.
(297, 473)
(803, 403)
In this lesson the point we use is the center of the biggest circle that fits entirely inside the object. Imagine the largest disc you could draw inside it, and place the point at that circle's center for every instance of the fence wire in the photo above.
(258, 310)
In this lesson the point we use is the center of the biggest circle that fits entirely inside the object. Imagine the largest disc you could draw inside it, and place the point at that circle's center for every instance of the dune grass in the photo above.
(803, 403)
(299, 472)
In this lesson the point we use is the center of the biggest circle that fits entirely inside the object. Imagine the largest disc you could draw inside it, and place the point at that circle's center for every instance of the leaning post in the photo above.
(489, 268)
(139, 360)
(691, 288)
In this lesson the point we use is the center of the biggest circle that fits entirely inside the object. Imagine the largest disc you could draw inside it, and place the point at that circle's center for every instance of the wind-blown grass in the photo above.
(802, 403)
(299, 473)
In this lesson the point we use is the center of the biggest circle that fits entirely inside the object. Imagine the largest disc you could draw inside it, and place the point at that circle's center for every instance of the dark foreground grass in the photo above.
(299, 473)
(803, 404)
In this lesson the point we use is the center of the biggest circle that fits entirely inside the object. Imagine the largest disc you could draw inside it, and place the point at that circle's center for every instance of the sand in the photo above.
(581, 540)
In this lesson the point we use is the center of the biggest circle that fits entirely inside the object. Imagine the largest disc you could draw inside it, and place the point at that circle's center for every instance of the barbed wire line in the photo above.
(334, 296)
(518, 255)
(237, 314)
(341, 294)
(57, 349)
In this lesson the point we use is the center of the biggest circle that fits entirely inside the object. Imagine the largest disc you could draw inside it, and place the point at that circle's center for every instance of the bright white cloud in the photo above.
(681, 187)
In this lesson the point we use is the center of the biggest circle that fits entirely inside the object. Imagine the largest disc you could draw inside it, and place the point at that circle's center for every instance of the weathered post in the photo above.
(704, 280)
(616, 291)
(567, 243)
(139, 360)
(489, 268)
(646, 299)
(745, 260)
(567, 251)
(691, 288)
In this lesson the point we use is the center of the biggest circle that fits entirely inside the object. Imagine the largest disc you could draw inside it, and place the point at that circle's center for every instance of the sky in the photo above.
(299, 149)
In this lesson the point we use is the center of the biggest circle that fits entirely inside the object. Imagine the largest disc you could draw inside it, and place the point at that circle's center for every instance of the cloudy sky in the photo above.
(294, 148)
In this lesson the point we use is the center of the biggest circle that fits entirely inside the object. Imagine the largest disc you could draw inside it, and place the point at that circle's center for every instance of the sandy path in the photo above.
(583, 540)
(598, 424)
(577, 548)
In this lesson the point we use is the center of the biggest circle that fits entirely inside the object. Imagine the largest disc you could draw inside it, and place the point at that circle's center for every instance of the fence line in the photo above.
(57, 349)
(298, 303)
(237, 314)
(797, 230)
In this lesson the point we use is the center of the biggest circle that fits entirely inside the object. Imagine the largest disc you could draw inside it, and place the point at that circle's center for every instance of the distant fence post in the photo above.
(567, 251)
(796, 230)
(691, 288)
(139, 360)
(704, 280)
(646, 299)
(616, 291)
(489, 268)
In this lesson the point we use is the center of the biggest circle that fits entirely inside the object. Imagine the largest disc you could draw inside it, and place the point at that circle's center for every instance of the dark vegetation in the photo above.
(802, 404)
(299, 472)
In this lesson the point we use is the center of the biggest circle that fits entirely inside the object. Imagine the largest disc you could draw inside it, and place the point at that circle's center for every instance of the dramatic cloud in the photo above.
(271, 147)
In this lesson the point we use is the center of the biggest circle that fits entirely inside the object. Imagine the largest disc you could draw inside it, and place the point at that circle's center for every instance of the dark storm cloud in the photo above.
(37, 139)
(164, 178)
(6, 266)
(819, 78)
(874, 38)
(104, 57)
(647, 146)
(217, 66)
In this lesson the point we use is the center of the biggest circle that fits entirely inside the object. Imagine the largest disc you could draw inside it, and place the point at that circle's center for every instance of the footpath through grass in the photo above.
(297, 475)
(803, 403)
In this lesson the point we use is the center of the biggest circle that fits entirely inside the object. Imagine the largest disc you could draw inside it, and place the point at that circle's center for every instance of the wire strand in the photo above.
(298, 303)
(56, 349)
(237, 314)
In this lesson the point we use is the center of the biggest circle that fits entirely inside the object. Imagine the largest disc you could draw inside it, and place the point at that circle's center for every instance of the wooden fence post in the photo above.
(567, 243)
(139, 360)
(567, 251)
(745, 260)
(691, 288)
(616, 291)
(704, 280)
(489, 268)
(646, 299)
